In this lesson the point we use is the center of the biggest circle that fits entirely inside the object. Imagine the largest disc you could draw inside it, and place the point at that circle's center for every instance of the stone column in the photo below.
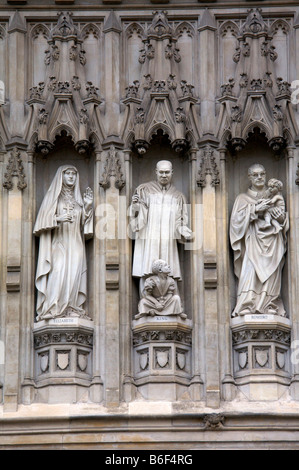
(112, 30)
(28, 287)
(99, 266)
(16, 86)
(224, 308)
(13, 201)
(207, 77)
(208, 179)
(129, 388)
(112, 183)
(16, 68)
(293, 262)
(14, 212)
(3, 248)
(198, 359)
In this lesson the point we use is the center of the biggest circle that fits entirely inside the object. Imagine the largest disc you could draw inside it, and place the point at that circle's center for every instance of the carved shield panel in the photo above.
(44, 362)
(262, 356)
(280, 359)
(243, 359)
(62, 359)
(181, 360)
(143, 360)
(162, 358)
(82, 361)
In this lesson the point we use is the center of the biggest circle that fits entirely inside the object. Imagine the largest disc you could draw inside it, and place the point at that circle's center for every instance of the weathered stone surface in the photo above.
(113, 89)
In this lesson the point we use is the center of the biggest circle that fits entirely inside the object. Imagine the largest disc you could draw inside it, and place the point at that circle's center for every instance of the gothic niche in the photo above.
(173, 249)
(64, 220)
(259, 309)
(160, 228)
(63, 327)
(64, 156)
(257, 151)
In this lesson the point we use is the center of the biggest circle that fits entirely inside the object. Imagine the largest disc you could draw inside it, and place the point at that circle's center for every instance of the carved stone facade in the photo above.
(109, 91)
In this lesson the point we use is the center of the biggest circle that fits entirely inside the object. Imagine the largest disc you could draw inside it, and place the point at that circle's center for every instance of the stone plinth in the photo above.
(63, 359)
(162, 356)
(261, 349)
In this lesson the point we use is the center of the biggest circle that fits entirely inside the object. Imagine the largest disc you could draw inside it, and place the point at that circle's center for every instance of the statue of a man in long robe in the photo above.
(259, 248)
(159, 218)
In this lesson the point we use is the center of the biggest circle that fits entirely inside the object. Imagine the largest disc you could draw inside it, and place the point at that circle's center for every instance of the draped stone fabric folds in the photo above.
(61, 276)
(259, 249)
(157, 227)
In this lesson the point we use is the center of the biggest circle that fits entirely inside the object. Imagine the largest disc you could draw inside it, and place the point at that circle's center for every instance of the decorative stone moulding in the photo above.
(65, 100)
(256, 98)
(162, 356)
(156, 102)
(261, 351)
(63, 355)
(14, 168)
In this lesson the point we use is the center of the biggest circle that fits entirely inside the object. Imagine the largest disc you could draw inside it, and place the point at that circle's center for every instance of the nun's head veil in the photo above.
(46, 216)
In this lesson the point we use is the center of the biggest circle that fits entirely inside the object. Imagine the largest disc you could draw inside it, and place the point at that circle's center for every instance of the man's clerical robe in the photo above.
(157, 227)
(259, 250)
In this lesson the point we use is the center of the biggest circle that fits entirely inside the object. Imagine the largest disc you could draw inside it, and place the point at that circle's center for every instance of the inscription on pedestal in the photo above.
(65, 321)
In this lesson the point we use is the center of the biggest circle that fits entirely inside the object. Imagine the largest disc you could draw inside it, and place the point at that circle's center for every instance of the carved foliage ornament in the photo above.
(214, 420)
(159, 26)
(208, 166)
(113, 169)
(261, 335)
(254, 23)
(170, 335)
(65, 26)
(69, 337)
(14, 169)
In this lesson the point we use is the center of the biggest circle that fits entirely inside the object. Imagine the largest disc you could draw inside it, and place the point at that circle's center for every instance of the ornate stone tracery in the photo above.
(65, 91)
(257, 90)
(144, 98)
(161, 94)
(14, 168)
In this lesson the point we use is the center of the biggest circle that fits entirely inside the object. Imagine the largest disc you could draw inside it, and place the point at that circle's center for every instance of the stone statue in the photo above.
(63, 221)
(160, 294)
(258, 228)
(159, 219)
(273, 193)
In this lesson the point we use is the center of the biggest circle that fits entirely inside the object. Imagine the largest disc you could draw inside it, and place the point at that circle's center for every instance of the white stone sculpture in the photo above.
(160, 293)
(258, 228)
(159, 218)
(273, 193)
(63, 221)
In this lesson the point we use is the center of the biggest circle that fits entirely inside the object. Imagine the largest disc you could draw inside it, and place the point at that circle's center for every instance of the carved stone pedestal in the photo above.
(63, 360)
(162, 356)
(261, 347)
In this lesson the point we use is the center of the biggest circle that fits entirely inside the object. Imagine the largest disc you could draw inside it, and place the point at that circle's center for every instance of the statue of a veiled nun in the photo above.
(64, 220)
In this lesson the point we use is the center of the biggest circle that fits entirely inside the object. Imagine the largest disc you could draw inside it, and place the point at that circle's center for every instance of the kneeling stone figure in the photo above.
(159, 296)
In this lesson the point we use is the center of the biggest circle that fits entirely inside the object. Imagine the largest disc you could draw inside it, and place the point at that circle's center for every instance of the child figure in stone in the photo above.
(273, 193)
(160, 293)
